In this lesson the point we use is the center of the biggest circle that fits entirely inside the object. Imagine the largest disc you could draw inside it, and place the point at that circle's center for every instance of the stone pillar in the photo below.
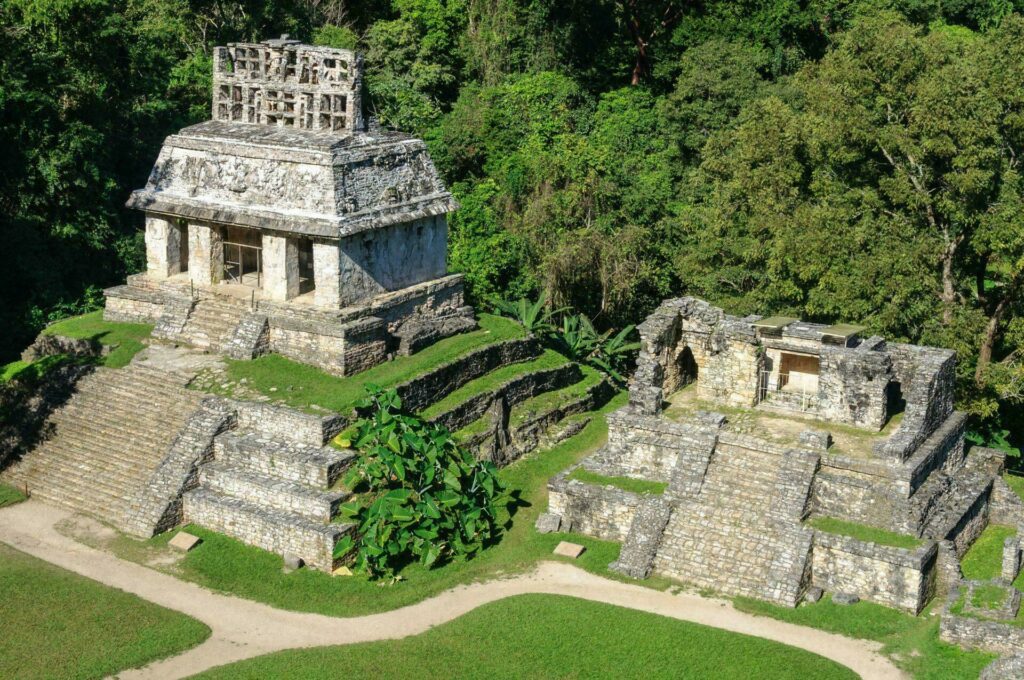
(280, 267)
(1011, 558)
(327, 275)
(163, 247)
(205, 254)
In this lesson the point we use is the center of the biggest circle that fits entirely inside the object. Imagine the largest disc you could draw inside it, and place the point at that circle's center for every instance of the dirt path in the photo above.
(243, 629)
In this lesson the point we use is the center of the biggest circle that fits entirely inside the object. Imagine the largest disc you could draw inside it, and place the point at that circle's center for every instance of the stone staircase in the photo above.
(107, 440)
(211, 324)
(739, 535)
(273, 493)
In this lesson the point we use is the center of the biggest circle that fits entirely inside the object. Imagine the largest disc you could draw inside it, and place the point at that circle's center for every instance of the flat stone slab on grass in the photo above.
(184, 541)
(548, 523)
(566, 549)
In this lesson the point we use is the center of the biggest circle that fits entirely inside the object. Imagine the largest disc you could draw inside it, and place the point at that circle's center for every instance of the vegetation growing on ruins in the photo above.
(543, 636)
(574, 335)
(123, 339)
(806, 158)
(224, 564)
(303, 386)
(984, 559)
(863, 532)
(420, 498)
(57, 624)
(624, 483)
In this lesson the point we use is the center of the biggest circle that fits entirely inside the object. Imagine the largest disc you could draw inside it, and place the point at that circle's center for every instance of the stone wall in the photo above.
(429, 388)
(392, 258)
(926, 376)
(511, 392)
(129, 304)
(856, 491)
(970, 633)
(852, 386)
(605, 512)
(280, 422)
(157, 506)
(895, 577)
(343, 349)
(647, 447)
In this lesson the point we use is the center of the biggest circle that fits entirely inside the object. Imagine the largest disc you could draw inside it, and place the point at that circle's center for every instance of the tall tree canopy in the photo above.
(849, 160)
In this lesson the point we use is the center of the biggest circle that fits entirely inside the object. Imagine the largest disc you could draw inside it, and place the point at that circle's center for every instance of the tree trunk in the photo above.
(988, 341)
(948, 282)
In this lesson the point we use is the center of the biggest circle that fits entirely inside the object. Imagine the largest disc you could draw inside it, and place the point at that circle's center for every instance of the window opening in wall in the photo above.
(896, 403)
(687, 367)
(307, 280)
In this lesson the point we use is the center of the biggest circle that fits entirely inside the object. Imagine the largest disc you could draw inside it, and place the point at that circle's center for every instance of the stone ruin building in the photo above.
(283, 224)
(755, 427)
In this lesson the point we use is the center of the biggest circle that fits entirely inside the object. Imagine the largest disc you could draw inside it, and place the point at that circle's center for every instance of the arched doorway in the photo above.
(686, 366)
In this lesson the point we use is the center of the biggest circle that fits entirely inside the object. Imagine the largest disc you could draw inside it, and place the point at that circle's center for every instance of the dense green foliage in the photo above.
(420, 498)
(543, 636)
(55, 624)
(840, 160)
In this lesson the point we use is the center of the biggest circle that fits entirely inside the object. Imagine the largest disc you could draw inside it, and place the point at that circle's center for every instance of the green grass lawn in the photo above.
(548, 359)
(302, 386)
(911, 641)
(984, 559)
(125, 337)
(863, 532)
(550, 636)
(624, 483)
(9, 495)
(988, 596)
(55, 624)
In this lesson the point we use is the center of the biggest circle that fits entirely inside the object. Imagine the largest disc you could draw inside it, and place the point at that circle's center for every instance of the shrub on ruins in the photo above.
(421, 497)
(609, 352)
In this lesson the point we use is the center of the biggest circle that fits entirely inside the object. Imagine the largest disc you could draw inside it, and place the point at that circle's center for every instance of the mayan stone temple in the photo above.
(754, 428)
(284, 225)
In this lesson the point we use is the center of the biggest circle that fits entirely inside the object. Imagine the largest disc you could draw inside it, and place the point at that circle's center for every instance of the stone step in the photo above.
(100, 455)
(107, 440)
(272, 530)
(136, 398)
(317, 467)
(74, 458)
(268, 492)
(81, 486)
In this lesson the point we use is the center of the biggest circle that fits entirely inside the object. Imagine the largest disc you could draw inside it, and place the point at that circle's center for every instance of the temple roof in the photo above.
(291, 179)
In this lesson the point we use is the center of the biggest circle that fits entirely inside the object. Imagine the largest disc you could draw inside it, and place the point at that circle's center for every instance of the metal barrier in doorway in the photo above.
(243, 264)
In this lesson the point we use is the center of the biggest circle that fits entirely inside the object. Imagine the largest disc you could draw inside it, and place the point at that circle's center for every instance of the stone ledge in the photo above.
(915, 558)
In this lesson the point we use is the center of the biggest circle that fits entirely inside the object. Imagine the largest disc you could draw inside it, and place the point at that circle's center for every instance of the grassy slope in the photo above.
(863, 532)
(9, 495)
(55, 624)
(624, 483)
(548, 359)
(912, 641)
(984, 559)
(300, 385)
(547, 636)
(126, 336)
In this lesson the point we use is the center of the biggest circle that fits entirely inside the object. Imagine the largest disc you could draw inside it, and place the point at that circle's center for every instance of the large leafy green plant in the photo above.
(422, 497)
(533, 316)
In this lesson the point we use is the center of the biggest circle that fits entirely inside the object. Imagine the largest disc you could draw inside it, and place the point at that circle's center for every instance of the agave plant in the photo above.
(613, 352)
(533, 316)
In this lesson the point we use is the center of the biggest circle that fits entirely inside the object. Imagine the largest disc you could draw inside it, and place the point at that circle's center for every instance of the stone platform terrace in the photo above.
(757, 425)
